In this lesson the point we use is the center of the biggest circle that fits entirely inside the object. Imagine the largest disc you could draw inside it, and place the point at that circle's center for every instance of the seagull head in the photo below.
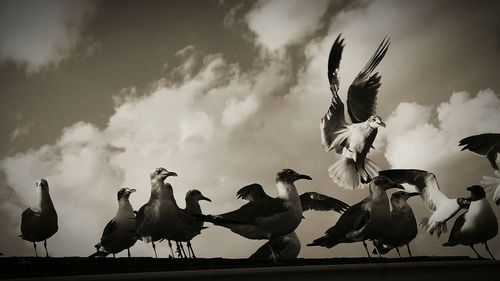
(375, 122)
(43, 185)
(161, 174)
(403, 195)
(384, 183)
(195, 194)
(290, 176)
(477, 192)
(125, 192)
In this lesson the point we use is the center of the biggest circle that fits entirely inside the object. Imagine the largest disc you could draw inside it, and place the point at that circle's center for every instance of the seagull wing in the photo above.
(334, 119)
(251, 212)
(484, 144)
(319, 202)
(362, 94)
(108, 230)
(252, 192)
(139, 215)
(26, 226)
(264, 252)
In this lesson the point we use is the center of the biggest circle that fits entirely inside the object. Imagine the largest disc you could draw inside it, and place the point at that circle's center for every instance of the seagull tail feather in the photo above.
(343, 173)
(99, 254)
(324, 241)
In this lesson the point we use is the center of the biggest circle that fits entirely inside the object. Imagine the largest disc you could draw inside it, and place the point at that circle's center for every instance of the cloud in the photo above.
(40, 35)
(277, 24)
(417, 137)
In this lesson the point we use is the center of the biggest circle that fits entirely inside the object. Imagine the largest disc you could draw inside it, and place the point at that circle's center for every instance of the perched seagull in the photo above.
(288, 246)
(39, 222)
(442, 207)
(188, 226)
(269, 217)
(402, 228)
(485, 145)
(491, 183)
(119, 234)
(477, 225)
(158, 217)
(366, 220)
(352, 141)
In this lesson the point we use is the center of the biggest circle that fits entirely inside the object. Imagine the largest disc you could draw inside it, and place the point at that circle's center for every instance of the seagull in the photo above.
(442, 207)
(366, 220)
(485, 145)
(269, 217)
(157, 218)
(39, 222)
(477, 225)
(119, 234)
(188, 226)
(288, 246)
(402, 228)
(352, 141)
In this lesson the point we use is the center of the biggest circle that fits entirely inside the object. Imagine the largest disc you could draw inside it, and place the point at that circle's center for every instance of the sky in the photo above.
(94, 95)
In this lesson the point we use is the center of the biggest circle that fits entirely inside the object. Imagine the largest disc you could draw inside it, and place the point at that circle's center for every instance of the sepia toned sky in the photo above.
(94, 95)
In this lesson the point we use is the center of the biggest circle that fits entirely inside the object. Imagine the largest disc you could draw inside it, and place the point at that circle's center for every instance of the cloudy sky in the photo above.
(95, 95)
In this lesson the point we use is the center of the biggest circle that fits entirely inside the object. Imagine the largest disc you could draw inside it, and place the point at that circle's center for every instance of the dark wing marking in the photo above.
(26, 217)
(456, 230)
(361, 157)
(362, 94)
(319, 202)
(334, 118)
(253, 210)
(252, 192)
(108, 229)
(410, 176)
(139, 216)
(484, 144)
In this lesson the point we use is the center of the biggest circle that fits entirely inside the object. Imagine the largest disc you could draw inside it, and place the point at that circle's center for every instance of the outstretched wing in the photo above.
(252, 192)
(362, 94)
(484, 144)
(251, 212)
(319, 202)
(334, 119)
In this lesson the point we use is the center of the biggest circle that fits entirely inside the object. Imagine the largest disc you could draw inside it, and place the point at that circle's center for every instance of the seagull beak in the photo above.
(413, 194)
(132, 190)
(381, 123)
(398, 186)
(205, 198)
(171, 174)
(304, 177)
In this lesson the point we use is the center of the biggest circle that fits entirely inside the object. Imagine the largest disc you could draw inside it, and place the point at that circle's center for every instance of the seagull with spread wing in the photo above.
(39, 222)
(119, 234)
(288, 246)
(366, 220)
(352, 141)
(269, 217)
(485, 145)
(442, 207)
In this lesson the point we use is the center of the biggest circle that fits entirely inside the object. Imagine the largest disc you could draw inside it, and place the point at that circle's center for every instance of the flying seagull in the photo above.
(157, 218)
(352, 141)
(269, 217)
(477, 225)
(366, 220)
(188, 226)
(285, 247)
(39, 223)
(442, 207)
(485, 145)
(402, 228)
(119, 234)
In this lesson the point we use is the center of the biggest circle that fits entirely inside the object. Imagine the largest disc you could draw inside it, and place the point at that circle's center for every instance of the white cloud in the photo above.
(282, 22)
(415, 139)
(41, 34)
(237, 111)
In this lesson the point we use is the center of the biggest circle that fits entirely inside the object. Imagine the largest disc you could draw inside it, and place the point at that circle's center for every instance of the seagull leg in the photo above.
(178, 249)
(488, 249)
(45, 246)
(366, 248)
(478, 256)
(36, 252)
(409, 251)
(397, 250)
(114, 256)
(190, 248)
(376, 249)
(171, 249)
(182, 248)
(154, 248)
(128, 252)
